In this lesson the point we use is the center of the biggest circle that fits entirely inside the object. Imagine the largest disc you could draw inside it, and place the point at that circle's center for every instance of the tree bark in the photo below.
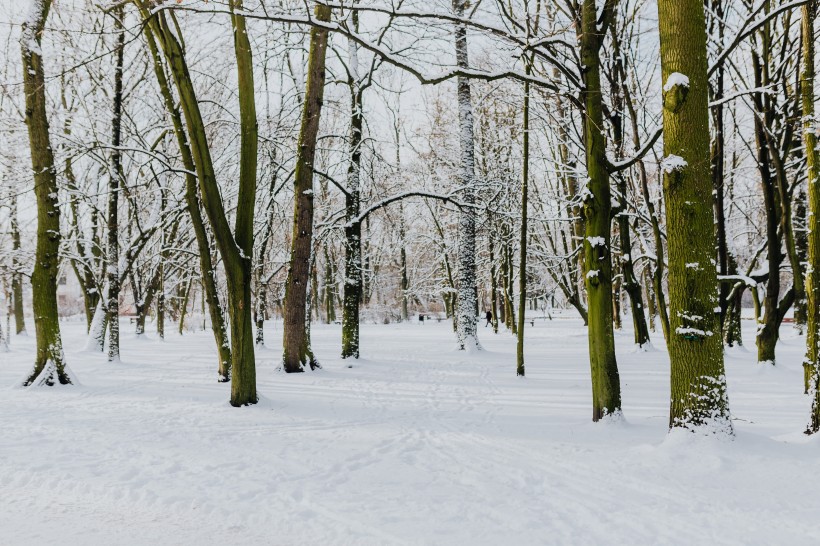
(812, 360)
(236, 248)
(698, 383)
(115, 183)
(466, 316)
(49, 365)
(522, 265)
(606, 387)
(354, 282)
(296, 339)
(16, 274)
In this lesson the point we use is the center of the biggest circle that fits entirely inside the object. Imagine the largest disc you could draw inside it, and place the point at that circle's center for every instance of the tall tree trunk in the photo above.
(812, 360)
(716, 20)
(466, 316)
(16, 273)
(629, 282)
(606, 386)
(239, 266)
(769, 329)
(236, 248)
(405, 282)
(522, 264)
(698, 383)
(493, 281)
(115, 183)
(207, 270)
(296, 340)
(354, 281)
(49, 365)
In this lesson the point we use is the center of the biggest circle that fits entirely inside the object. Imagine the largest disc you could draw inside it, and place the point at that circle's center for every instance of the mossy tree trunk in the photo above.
(812, 360)
(207, 270)
(698, 383)
(296, 337)
(49, 365)
(606, 387)
(235, 246)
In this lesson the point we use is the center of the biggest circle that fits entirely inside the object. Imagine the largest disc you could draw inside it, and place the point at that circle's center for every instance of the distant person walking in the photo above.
(489, 317)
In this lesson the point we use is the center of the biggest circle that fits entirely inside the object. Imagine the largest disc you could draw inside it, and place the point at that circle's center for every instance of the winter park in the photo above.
(445, 272)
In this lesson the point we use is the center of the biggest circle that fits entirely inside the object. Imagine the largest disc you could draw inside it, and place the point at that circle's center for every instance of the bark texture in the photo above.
(597, 208)
(812, 361)
(49, 364)
(466, 314)
(698, 383)
(296, 336)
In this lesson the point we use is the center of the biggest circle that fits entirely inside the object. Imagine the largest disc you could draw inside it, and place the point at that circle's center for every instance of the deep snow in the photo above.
(416, 444)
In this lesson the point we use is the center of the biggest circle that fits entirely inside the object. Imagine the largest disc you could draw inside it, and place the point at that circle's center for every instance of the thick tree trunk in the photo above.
(812, 360)
(296, 340)
(49, 365)
(606, 387)
(698, 383)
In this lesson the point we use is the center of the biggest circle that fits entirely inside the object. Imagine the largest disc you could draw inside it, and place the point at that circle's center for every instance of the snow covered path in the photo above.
(416, 444)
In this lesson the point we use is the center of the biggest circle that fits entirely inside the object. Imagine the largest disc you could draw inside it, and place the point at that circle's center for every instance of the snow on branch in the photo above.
(616, 166)
(385, 54)
(749, 27)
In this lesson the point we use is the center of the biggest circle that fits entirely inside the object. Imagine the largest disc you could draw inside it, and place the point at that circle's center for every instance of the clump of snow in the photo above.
(596, 241)
(675, 78)
(672, 163)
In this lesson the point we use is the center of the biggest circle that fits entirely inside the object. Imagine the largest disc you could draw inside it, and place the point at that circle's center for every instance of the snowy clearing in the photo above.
(416, 444)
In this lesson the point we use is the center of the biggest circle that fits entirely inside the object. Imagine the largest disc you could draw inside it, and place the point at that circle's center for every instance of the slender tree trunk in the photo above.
(812, 360)
(493, 282)
(522, 265)
(628, 282)
(239, 265)
(296, 341)
(353, 279)
(183, 311)
(405, 282)
(49, 365)
(207, 270)
(236, 248)
(159, 285)
(606, 386)
(115, 183)
(698, 384)
(716, 21)
(466, 316)
(16, 273)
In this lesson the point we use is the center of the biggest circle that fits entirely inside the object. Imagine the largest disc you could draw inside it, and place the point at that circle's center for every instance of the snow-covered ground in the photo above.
(416, 444)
